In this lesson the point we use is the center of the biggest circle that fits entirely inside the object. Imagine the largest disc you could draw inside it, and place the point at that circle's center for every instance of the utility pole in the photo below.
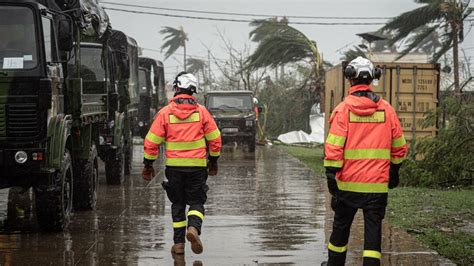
(209, 69)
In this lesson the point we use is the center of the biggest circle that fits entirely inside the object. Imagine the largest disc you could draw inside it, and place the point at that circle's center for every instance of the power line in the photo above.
(243, 20)
(240, 14)
(187, 55)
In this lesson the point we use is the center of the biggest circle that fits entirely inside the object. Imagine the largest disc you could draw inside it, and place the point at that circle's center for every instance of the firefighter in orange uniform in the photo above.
(363, 154)
(185, 127)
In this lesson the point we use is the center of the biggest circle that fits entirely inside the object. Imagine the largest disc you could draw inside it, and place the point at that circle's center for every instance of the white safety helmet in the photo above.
(362, 68)
(186, 81)
(255, 101)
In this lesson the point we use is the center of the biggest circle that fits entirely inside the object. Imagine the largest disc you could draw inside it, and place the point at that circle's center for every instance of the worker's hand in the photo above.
(332, 184)
(148, 172)
(212, 168)
(331, 177)
(394, 177)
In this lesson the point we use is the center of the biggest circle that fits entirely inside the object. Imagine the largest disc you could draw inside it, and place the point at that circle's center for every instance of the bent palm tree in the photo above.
(444, 17)
(174, 39)
(197, 66)
(280, 44)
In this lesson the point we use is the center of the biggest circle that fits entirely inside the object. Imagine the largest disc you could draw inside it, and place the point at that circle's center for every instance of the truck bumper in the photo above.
(30, 173)
(237, 137)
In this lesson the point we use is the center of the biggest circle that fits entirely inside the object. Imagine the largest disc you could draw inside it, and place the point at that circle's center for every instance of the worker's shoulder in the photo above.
(384, 104)
(202, 108)
(341, 107)
(164, 110)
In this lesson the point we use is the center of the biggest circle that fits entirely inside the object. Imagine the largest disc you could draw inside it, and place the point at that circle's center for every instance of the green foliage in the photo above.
(195, 65)
(280, 44)
(353, 53)
(429, 26)
(439, 218)
(312, 157)
(174, 39)
(446, 159)
(289, 106)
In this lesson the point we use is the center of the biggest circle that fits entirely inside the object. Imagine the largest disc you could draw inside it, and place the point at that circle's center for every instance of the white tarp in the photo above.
(317, 132)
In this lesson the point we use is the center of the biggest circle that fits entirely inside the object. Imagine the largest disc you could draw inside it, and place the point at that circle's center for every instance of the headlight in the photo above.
(140, 124)
(21, 157)
(248, 123)
(101, 140)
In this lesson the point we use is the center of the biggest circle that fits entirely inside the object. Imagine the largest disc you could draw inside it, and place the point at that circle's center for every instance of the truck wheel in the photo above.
(251, 144)
(86, 182)
(128, 152)
(114, 170)
(54, 202)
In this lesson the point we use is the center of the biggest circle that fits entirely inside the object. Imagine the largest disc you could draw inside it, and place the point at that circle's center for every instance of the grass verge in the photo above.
(441, 219)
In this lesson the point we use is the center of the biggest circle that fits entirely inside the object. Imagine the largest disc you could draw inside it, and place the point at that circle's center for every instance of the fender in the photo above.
(118, 128)
(59, 131)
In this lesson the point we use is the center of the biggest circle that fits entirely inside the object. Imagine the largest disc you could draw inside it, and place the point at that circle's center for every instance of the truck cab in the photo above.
(152, 94)
(234, 113)
(34, 129)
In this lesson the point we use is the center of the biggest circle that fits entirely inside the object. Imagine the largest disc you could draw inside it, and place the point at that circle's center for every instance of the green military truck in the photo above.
(152, 94)
(117, 139)
(235, 115)
(59, 109)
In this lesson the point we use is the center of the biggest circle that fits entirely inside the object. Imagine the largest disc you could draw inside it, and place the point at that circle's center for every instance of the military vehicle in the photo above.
(235, 115)
(59, 109)
(117, 139)
(152, 94)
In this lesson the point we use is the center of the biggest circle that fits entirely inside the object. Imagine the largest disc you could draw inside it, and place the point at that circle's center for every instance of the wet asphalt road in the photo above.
(263, 208)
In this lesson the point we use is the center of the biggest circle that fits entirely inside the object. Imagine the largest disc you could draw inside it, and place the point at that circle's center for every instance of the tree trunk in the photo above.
(457, 88)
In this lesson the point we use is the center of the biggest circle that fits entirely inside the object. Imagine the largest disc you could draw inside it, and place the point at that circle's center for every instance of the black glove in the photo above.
(331, 177)
(212, 166)
(394, 176)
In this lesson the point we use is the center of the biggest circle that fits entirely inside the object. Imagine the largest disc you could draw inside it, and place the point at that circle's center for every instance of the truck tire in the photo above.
(128, 152)
(115, 170)
(54, 202)
(251, 144)
(86, 182)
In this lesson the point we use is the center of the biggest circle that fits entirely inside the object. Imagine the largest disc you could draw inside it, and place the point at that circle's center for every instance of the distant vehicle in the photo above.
(152, 94)
(235, 115)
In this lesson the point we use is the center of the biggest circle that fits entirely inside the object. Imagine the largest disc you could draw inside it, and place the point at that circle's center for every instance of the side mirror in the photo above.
(65, 35)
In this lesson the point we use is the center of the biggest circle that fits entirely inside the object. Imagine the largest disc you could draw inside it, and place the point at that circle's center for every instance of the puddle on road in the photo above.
(263, 208)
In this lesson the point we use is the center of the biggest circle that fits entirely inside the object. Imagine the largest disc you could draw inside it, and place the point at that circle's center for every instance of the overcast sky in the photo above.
(330, 39)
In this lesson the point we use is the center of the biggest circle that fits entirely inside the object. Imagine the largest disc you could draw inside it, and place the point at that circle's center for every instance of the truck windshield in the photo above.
(241, 102)
(142, 81)
(18, 46)
(92, 68)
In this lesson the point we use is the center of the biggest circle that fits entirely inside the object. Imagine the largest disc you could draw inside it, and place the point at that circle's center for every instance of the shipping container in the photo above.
(412, 89)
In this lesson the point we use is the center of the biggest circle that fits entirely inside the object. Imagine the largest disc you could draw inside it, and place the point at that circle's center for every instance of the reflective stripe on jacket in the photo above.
(364, 137)
(184, 128)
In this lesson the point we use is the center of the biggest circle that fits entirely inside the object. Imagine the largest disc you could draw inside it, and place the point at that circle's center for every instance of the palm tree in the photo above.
(445, 17)
(280, 44)
(174, 39)
(197, 66)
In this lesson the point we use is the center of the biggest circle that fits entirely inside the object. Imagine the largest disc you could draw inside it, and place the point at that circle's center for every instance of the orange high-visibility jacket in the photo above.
(184, 127)
(364, 137)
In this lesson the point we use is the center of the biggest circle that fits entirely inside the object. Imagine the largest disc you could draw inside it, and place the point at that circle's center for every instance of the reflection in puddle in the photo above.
(263, 208)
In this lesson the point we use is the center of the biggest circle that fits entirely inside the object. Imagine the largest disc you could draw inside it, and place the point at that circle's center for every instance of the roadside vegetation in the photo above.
(442, 219)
